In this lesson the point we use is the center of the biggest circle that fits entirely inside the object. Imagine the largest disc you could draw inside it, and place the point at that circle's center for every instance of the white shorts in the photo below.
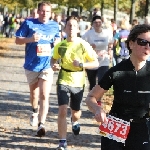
(32, 77)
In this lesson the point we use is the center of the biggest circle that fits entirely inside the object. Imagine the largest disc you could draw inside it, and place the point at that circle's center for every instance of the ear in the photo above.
(131, 44)
(38, 11)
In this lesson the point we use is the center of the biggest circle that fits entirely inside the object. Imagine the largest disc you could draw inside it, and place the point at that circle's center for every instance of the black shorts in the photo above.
(137, 139)
(75, 94)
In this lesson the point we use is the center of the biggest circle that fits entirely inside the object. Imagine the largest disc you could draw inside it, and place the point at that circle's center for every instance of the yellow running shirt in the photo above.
(67, 52)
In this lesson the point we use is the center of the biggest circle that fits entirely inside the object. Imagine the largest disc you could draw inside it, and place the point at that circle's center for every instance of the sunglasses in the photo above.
(142, 42)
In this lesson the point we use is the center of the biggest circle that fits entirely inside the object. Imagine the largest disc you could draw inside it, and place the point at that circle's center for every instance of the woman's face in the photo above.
(141, 47)
(97, 24)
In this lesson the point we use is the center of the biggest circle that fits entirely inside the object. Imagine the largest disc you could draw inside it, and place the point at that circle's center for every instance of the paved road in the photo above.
(15, 131)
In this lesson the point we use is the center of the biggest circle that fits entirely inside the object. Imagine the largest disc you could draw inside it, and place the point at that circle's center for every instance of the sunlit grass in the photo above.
(5, 44)
(107, 100)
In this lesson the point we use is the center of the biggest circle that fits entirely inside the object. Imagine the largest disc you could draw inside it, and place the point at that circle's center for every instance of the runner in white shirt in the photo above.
(101, 40)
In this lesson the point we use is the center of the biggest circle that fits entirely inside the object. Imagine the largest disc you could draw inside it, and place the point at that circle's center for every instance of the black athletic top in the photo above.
(131, 89)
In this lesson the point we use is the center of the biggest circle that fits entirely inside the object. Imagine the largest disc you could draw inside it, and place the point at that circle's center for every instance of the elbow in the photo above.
(87, 100)
(17, 42)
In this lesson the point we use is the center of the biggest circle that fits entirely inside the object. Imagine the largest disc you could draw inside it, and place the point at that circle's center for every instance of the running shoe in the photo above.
(41, 130)
(34, 119)
(62, 146)
(76, 129)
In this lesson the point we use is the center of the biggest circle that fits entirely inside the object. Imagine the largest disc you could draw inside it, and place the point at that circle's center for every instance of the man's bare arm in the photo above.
(55, 66)
(23, 40)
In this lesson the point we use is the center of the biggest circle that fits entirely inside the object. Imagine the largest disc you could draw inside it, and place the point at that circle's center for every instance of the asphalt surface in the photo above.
(15, 109)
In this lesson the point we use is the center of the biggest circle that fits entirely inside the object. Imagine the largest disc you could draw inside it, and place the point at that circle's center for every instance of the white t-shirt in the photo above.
(82, 27)
(101, 40)
(1, 19)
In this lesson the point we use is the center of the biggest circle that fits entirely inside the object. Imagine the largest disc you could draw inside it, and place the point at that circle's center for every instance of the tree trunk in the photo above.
(147, 7)
(102, 7)
(115, 9)
(132, 11)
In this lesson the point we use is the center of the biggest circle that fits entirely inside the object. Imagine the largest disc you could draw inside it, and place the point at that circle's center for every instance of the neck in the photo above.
(42, 21)
(138, 64)
(98, 30)
(71, 39)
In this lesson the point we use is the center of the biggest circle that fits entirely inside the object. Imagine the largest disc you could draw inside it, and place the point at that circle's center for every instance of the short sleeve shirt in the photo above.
(101, 40)
(131, 89)
(69, 51)
(38, 54)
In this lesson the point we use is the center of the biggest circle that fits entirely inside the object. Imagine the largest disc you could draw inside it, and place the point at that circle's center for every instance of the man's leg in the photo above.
(63, 99)
(75, 115)
(44, 90)
(62, 127)
(75, 104)
(62, 122)
(34, 95)
(45, 80)
(34, 98)
(75, 124)
(91, 74)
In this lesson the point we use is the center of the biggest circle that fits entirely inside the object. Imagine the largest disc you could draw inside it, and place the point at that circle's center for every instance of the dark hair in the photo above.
(43, 3)
(95, 9)
(71, 17)
(135, 21)
(135, 32)
(96, 17)
(112, 20)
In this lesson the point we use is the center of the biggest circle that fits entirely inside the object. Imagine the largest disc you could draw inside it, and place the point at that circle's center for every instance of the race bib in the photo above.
(43, 50)
(116, 129)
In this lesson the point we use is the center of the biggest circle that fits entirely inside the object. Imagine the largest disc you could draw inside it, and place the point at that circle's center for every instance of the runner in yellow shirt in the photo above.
(75, 55)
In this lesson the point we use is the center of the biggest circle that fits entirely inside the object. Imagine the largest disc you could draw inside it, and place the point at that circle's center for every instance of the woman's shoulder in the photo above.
(123, 65)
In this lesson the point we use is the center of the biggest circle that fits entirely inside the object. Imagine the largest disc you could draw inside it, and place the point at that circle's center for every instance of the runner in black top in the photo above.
(131, 83)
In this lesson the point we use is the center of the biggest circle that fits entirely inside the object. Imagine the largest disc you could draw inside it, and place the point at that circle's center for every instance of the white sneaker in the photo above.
(34, 119)
(41, 130)
(62, 146)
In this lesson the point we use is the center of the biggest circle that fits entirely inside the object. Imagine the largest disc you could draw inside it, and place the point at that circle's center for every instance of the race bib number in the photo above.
(116, 129)
(43, 50)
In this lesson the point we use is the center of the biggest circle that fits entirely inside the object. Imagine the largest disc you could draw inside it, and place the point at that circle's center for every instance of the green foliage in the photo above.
(124, 6)
(140, 8)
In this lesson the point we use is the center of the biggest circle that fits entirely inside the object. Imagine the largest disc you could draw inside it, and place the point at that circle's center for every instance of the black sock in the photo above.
(40, 123)
(35, 110)
(62, 141)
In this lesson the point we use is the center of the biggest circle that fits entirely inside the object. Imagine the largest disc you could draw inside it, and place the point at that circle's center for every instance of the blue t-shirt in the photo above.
(38, 54)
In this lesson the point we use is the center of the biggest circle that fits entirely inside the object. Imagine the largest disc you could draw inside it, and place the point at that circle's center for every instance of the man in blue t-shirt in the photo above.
(39, 35)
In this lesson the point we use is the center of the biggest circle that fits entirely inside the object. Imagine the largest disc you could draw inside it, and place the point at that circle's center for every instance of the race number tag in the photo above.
(43, 50)
(116, 129)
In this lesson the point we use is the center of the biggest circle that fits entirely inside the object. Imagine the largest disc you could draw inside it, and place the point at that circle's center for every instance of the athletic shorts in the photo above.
(74, 94)
(138, 139)
(32, 77)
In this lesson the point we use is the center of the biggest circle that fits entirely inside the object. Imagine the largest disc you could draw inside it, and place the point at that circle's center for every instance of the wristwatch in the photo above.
(81, 65)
